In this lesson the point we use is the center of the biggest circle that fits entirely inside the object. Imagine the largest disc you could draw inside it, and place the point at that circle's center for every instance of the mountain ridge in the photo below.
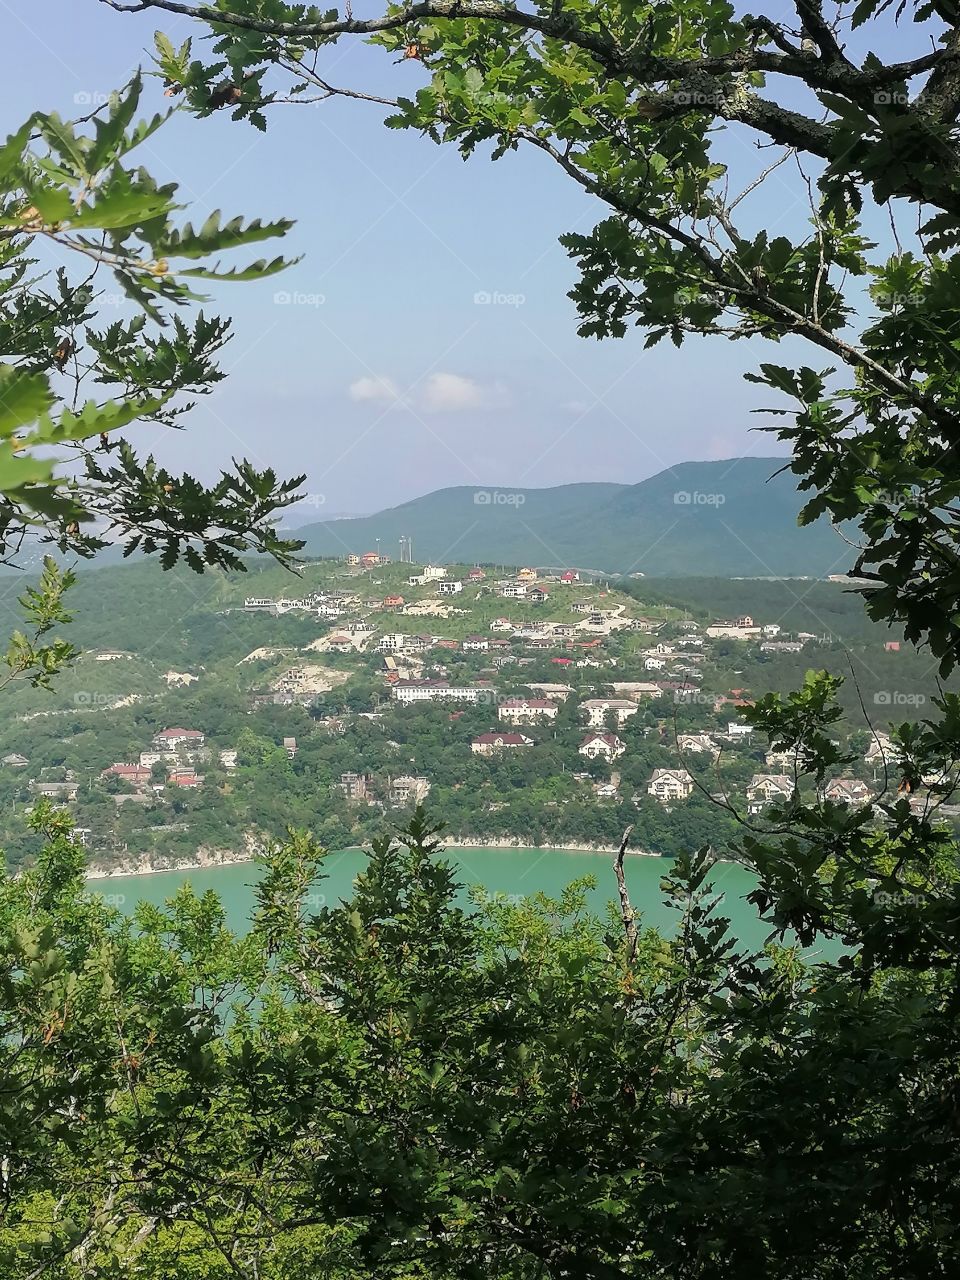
(733, 517)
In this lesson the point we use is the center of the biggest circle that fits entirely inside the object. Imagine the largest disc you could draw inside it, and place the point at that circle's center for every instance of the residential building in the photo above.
(555, 692)
(741, 629)
(880, 751)
(601, 745)
(15, 761)
(407, 691)
(393, 642)
(149, 758)
(290, 747)
(526, 575)
(429, 573)
(848, 791)
(185, 777)
(393, 602)
(738, 732)
(654, 664)
(597, 711)
(488, 744)
(514, 591)
(637, 688)
(228, 758)
(355, 786)
(768, 788)
(605, 791)
(781, 646)
(570, 576)
(475, 644)
(698, 743)
(255, 603)
(135, 774)
(538, 596)
(476, 574)
(407, 790)
(669, 784)
(527, 710)
(173, 738)
(449, 587)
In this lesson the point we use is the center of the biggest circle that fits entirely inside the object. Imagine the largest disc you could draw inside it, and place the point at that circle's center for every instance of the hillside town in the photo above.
(554, 675)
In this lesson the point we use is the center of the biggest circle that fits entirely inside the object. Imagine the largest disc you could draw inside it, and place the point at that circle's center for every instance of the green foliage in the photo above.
(66, 189)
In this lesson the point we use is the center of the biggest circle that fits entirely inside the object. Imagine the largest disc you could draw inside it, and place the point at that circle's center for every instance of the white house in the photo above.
(407, 691)
(654, 664)
(514, 591)
(669, 784)
(741, 629)
(768, 788)
(880, 751)
(700, 743)
(449, 587)
(527, 710)
(598, 709)
(607, 745)
(173, 738)
(738, 732)
(475, 644)
(488, 744)
(393, 642)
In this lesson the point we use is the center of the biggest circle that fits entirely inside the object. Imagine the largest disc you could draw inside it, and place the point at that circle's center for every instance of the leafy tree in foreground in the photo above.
(398, 1088)
(71, 385)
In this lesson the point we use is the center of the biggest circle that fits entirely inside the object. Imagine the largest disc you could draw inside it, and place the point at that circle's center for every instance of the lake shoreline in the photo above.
(224, 858)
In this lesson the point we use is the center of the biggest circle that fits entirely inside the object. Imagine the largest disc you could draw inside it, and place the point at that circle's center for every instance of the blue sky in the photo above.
(375, 371)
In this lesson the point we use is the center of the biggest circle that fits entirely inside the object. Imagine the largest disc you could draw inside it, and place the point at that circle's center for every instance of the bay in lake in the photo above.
(498, 871)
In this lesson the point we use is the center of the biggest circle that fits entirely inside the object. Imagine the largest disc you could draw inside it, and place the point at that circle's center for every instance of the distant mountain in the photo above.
(696, 519)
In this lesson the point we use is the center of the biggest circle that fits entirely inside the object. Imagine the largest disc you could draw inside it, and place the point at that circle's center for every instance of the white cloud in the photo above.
(374, 388)
(453, 393)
